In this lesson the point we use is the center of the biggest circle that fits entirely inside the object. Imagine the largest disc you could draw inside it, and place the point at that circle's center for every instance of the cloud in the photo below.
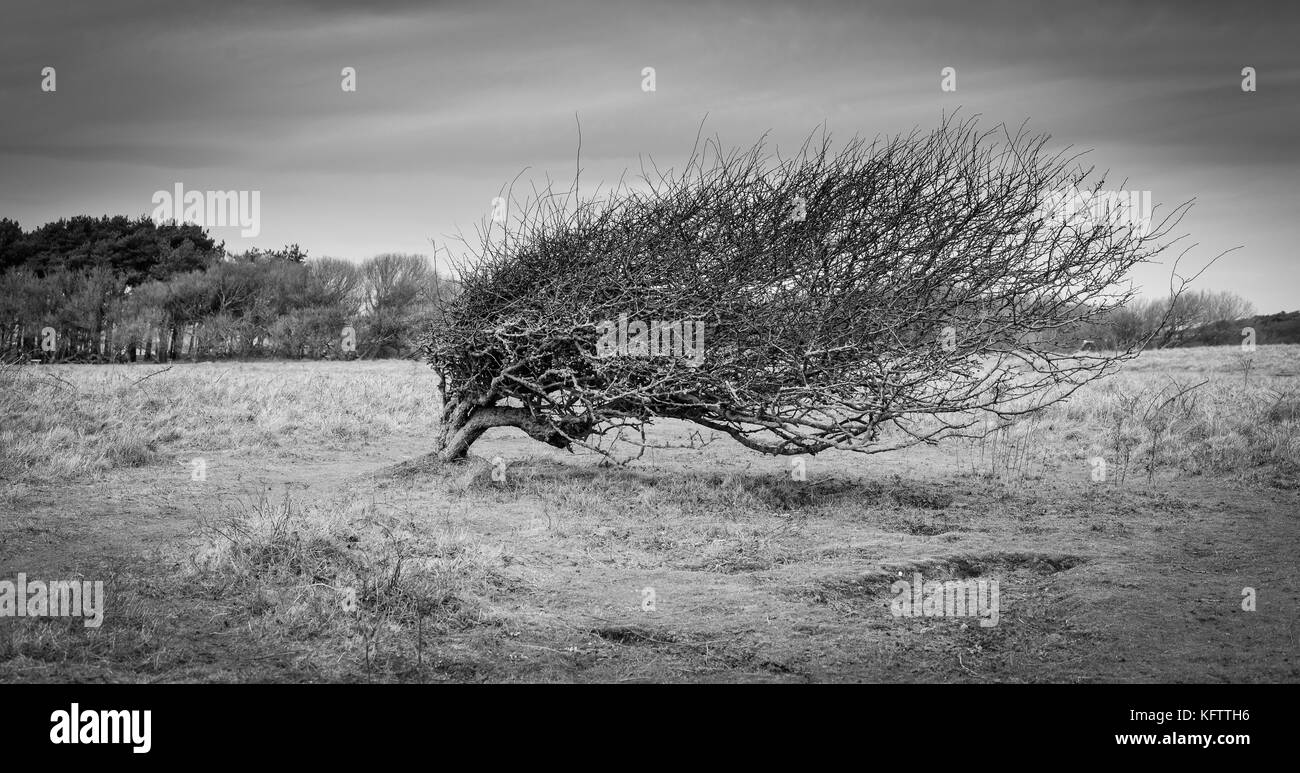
(454, 99)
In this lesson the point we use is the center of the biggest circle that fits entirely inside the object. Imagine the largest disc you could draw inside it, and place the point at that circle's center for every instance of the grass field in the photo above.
(311, 542)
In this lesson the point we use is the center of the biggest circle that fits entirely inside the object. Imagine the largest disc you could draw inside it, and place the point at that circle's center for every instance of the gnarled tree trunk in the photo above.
(465, 422)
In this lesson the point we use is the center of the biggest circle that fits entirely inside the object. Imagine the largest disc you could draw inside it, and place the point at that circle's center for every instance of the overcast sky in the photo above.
(455, 99)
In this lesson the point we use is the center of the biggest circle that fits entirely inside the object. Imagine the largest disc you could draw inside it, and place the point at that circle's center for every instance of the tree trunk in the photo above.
(464, 423)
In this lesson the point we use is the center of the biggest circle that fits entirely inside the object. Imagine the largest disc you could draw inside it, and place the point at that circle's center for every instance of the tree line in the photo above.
(115, 289)
(119, 289)
(1165, 322)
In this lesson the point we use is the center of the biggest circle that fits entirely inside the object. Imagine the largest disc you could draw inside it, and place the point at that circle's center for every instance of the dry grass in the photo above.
(64, 421)
(421, 572)
(349, 573)
(1206, 411)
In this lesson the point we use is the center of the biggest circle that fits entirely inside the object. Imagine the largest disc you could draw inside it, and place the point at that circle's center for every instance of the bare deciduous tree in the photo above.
(1190, 310)
(891, 293)
(392, 287)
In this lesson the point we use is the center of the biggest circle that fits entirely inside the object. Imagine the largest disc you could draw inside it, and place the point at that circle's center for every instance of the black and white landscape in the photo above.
(649, 342)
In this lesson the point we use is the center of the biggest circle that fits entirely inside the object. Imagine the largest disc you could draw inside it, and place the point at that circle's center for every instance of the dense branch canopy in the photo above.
(864, 299)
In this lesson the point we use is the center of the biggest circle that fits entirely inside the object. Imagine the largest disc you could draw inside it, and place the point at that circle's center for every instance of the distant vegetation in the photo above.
(116, 289)
(1143, 319)
(1202, 318)
(1280, 328)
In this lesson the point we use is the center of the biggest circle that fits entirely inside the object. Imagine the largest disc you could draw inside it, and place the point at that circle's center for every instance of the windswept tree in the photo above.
(866, 299)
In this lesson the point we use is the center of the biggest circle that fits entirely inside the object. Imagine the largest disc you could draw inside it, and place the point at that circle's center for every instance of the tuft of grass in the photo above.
(353, 577)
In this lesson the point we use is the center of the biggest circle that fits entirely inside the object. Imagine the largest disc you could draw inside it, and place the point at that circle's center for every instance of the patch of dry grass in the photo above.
(128, 639)
(369, 585)
(61, 421)
(1201, 411)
